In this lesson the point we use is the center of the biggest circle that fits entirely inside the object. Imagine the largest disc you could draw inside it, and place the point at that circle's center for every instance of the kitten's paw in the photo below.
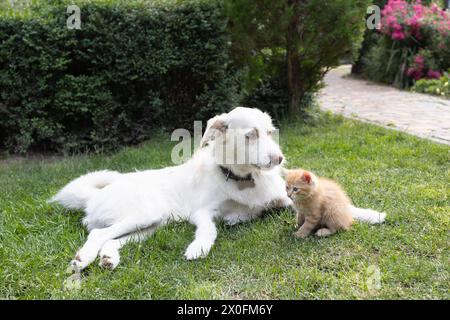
(300, 234)
(324, 232)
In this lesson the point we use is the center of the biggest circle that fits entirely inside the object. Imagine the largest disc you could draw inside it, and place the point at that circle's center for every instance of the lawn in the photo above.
(382, 169)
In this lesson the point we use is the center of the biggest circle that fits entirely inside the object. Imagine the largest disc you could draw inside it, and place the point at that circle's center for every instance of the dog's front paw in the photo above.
(109, 255)
(77, 265)
(84, 257)
(196, 250)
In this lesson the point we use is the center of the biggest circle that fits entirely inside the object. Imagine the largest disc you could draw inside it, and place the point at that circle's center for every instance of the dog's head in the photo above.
(243, 138)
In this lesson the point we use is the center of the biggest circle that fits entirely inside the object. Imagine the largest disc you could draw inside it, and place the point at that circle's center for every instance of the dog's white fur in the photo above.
(129, 207)
(123, 207)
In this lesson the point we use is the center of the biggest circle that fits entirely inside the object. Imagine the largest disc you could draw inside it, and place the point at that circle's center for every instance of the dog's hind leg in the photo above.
(234, 213)
(234, 218)
(98, 237)
(109, 254)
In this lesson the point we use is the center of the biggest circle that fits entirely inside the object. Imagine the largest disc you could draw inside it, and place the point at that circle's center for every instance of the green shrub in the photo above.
(369, 41)
(269, 95)
(440, 87)
(132, 67)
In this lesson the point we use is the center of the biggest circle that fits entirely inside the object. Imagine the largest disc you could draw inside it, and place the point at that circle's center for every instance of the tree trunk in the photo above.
(293, 87)
(293, 60)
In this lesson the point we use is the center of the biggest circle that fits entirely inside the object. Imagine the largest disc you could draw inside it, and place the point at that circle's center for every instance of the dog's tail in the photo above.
(76, 194)
(367, 215)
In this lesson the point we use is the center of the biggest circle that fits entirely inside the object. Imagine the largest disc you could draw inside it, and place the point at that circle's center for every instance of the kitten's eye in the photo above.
(295, 189)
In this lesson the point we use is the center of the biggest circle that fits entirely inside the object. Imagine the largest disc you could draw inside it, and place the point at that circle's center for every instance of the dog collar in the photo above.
(230, 175)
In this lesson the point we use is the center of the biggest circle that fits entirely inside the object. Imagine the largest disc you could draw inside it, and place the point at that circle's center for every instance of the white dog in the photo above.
(123, 207)
(234, 175)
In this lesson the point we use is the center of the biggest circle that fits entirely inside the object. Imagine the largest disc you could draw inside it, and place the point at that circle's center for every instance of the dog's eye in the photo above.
(269, 133)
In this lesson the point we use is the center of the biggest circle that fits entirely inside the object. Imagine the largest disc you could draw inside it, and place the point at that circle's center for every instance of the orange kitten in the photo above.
(321, 204)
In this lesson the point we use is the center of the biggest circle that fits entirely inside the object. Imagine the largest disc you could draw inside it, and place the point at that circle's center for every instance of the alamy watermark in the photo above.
(373, 278)
(74, 20)
(374, 19)
(231, 146)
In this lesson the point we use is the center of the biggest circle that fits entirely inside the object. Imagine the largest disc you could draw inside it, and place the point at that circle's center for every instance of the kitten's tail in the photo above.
(367, 215)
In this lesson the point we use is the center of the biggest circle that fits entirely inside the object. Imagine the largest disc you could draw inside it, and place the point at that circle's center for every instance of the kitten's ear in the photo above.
(307, 177)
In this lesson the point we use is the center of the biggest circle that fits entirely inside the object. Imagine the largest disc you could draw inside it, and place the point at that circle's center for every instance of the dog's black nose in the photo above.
(280, 159)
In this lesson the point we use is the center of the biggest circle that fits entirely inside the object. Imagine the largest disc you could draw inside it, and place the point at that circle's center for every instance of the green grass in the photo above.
(381, 169)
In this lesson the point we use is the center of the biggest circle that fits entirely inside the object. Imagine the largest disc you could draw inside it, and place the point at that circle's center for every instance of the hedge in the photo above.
(132, 68)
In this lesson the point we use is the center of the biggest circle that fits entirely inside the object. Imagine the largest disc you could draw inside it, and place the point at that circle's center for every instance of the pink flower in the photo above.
(433, 74)
(414, 22)
(391, 20)
(418, 10)
(398, 35)
(397, 27)
(411, 72)
(414, 73)
(419, 60)
(435, 8)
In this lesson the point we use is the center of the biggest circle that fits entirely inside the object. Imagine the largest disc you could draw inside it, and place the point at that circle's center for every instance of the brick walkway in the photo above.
(418, 114)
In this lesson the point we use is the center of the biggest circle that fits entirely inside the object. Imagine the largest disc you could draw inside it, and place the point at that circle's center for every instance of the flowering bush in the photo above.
(412, 21)
(423, 65)
(414, 41)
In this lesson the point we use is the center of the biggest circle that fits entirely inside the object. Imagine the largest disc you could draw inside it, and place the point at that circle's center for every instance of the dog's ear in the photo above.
(215, 127)
(252, 134)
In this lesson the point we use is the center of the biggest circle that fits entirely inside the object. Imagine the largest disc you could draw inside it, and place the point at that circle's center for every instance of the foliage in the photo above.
(133, 67)
(440, 86)
(370, 39)
(293, 41)
(270, 96)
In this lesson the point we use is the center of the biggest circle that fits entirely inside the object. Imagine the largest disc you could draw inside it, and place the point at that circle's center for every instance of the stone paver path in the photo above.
(418, 114)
